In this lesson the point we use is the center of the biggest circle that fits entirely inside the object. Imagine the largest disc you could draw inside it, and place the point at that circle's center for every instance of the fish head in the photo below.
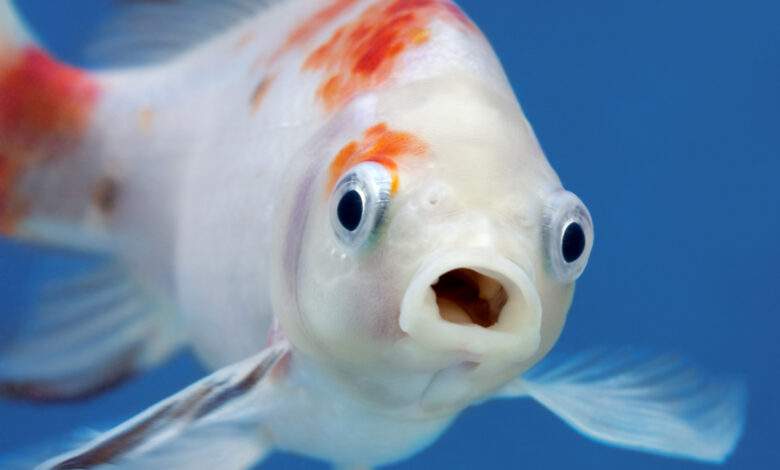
(430, 251)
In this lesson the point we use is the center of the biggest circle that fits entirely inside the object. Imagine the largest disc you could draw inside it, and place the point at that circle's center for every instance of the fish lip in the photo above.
(516, 335)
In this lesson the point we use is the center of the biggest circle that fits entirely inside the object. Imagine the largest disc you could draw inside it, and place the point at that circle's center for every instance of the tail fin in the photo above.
(80, 332)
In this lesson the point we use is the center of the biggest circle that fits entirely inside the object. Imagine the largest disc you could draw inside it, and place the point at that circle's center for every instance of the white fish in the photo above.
(341, 207)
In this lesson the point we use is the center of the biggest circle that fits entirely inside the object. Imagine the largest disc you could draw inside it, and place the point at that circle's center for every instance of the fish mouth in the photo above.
(468, 297)
(476, 303)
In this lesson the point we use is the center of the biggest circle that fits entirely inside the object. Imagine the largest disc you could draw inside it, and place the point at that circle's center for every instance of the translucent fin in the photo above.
(214, 423)
(148, 31)
(28, 457)
(84, 332)
(656, 404)
(52, 233)
(13, 29)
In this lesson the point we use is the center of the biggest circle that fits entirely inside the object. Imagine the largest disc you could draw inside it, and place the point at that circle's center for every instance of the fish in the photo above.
(340, 206)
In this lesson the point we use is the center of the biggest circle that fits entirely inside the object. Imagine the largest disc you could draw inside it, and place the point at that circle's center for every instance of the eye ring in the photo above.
(567, 236)
(359, 202)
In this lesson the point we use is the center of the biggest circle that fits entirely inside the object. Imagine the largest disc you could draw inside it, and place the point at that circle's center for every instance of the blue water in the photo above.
(665, 118)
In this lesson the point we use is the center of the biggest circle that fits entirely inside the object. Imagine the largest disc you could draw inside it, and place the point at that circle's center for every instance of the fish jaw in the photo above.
(476, 317)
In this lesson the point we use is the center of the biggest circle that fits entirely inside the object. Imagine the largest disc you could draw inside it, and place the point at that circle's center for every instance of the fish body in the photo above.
(342, 208)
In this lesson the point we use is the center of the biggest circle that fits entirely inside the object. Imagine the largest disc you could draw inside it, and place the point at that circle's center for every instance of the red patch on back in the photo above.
(362, 54)
(45, 106)
(380, 145)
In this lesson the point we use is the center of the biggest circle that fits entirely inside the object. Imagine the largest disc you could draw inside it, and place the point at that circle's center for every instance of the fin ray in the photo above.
(215, 421)
(84, 332)
(149, 31)
(658, 404)
(71, 352)
(55, 317)
(12, 27)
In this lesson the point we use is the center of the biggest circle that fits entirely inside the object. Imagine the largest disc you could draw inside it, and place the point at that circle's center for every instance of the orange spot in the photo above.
(146, 119)
(380, 145)
(244, 40)
(421, 36)
(260, 91)
(314, 24)
(45, 106)
(361, 55)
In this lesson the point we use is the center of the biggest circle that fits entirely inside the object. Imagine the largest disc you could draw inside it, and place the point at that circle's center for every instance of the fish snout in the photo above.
(475, 303)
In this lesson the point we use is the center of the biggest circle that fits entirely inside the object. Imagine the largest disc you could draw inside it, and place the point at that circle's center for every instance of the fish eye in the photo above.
(359, 202)
(573, 242)
(350, 209)
(568, 236)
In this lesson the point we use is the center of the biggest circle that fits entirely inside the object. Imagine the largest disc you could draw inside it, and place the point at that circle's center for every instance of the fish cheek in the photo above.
(348, 299)
(556, 300)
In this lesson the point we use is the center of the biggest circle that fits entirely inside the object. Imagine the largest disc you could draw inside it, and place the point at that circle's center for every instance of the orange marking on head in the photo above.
(361, 55)
(260, 91)
(421, 37)
(380, 145)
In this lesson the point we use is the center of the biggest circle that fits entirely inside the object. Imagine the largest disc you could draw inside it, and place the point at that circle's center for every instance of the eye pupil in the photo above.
(573, 244)
(350, 210)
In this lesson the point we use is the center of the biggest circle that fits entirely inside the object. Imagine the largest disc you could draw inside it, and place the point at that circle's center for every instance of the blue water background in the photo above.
(664, 117)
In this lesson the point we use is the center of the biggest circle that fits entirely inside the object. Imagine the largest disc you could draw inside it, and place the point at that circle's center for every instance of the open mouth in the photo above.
(475, 303)
(465, 297)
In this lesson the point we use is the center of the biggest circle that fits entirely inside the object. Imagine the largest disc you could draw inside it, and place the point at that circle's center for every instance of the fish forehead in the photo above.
(477, 139)
(344, 56)
(343, 49)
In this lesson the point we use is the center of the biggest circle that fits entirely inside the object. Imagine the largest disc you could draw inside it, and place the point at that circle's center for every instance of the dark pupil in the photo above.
(350, 210)
(573, 242)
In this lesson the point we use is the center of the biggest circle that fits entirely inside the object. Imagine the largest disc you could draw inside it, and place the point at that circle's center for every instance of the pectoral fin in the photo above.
(215, 423)
(656, 404)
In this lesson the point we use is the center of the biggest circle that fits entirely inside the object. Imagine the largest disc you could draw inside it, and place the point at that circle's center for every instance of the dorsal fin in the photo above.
(152, 31)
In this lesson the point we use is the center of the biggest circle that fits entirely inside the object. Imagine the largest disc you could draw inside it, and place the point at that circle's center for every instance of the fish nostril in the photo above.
(465, 296)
